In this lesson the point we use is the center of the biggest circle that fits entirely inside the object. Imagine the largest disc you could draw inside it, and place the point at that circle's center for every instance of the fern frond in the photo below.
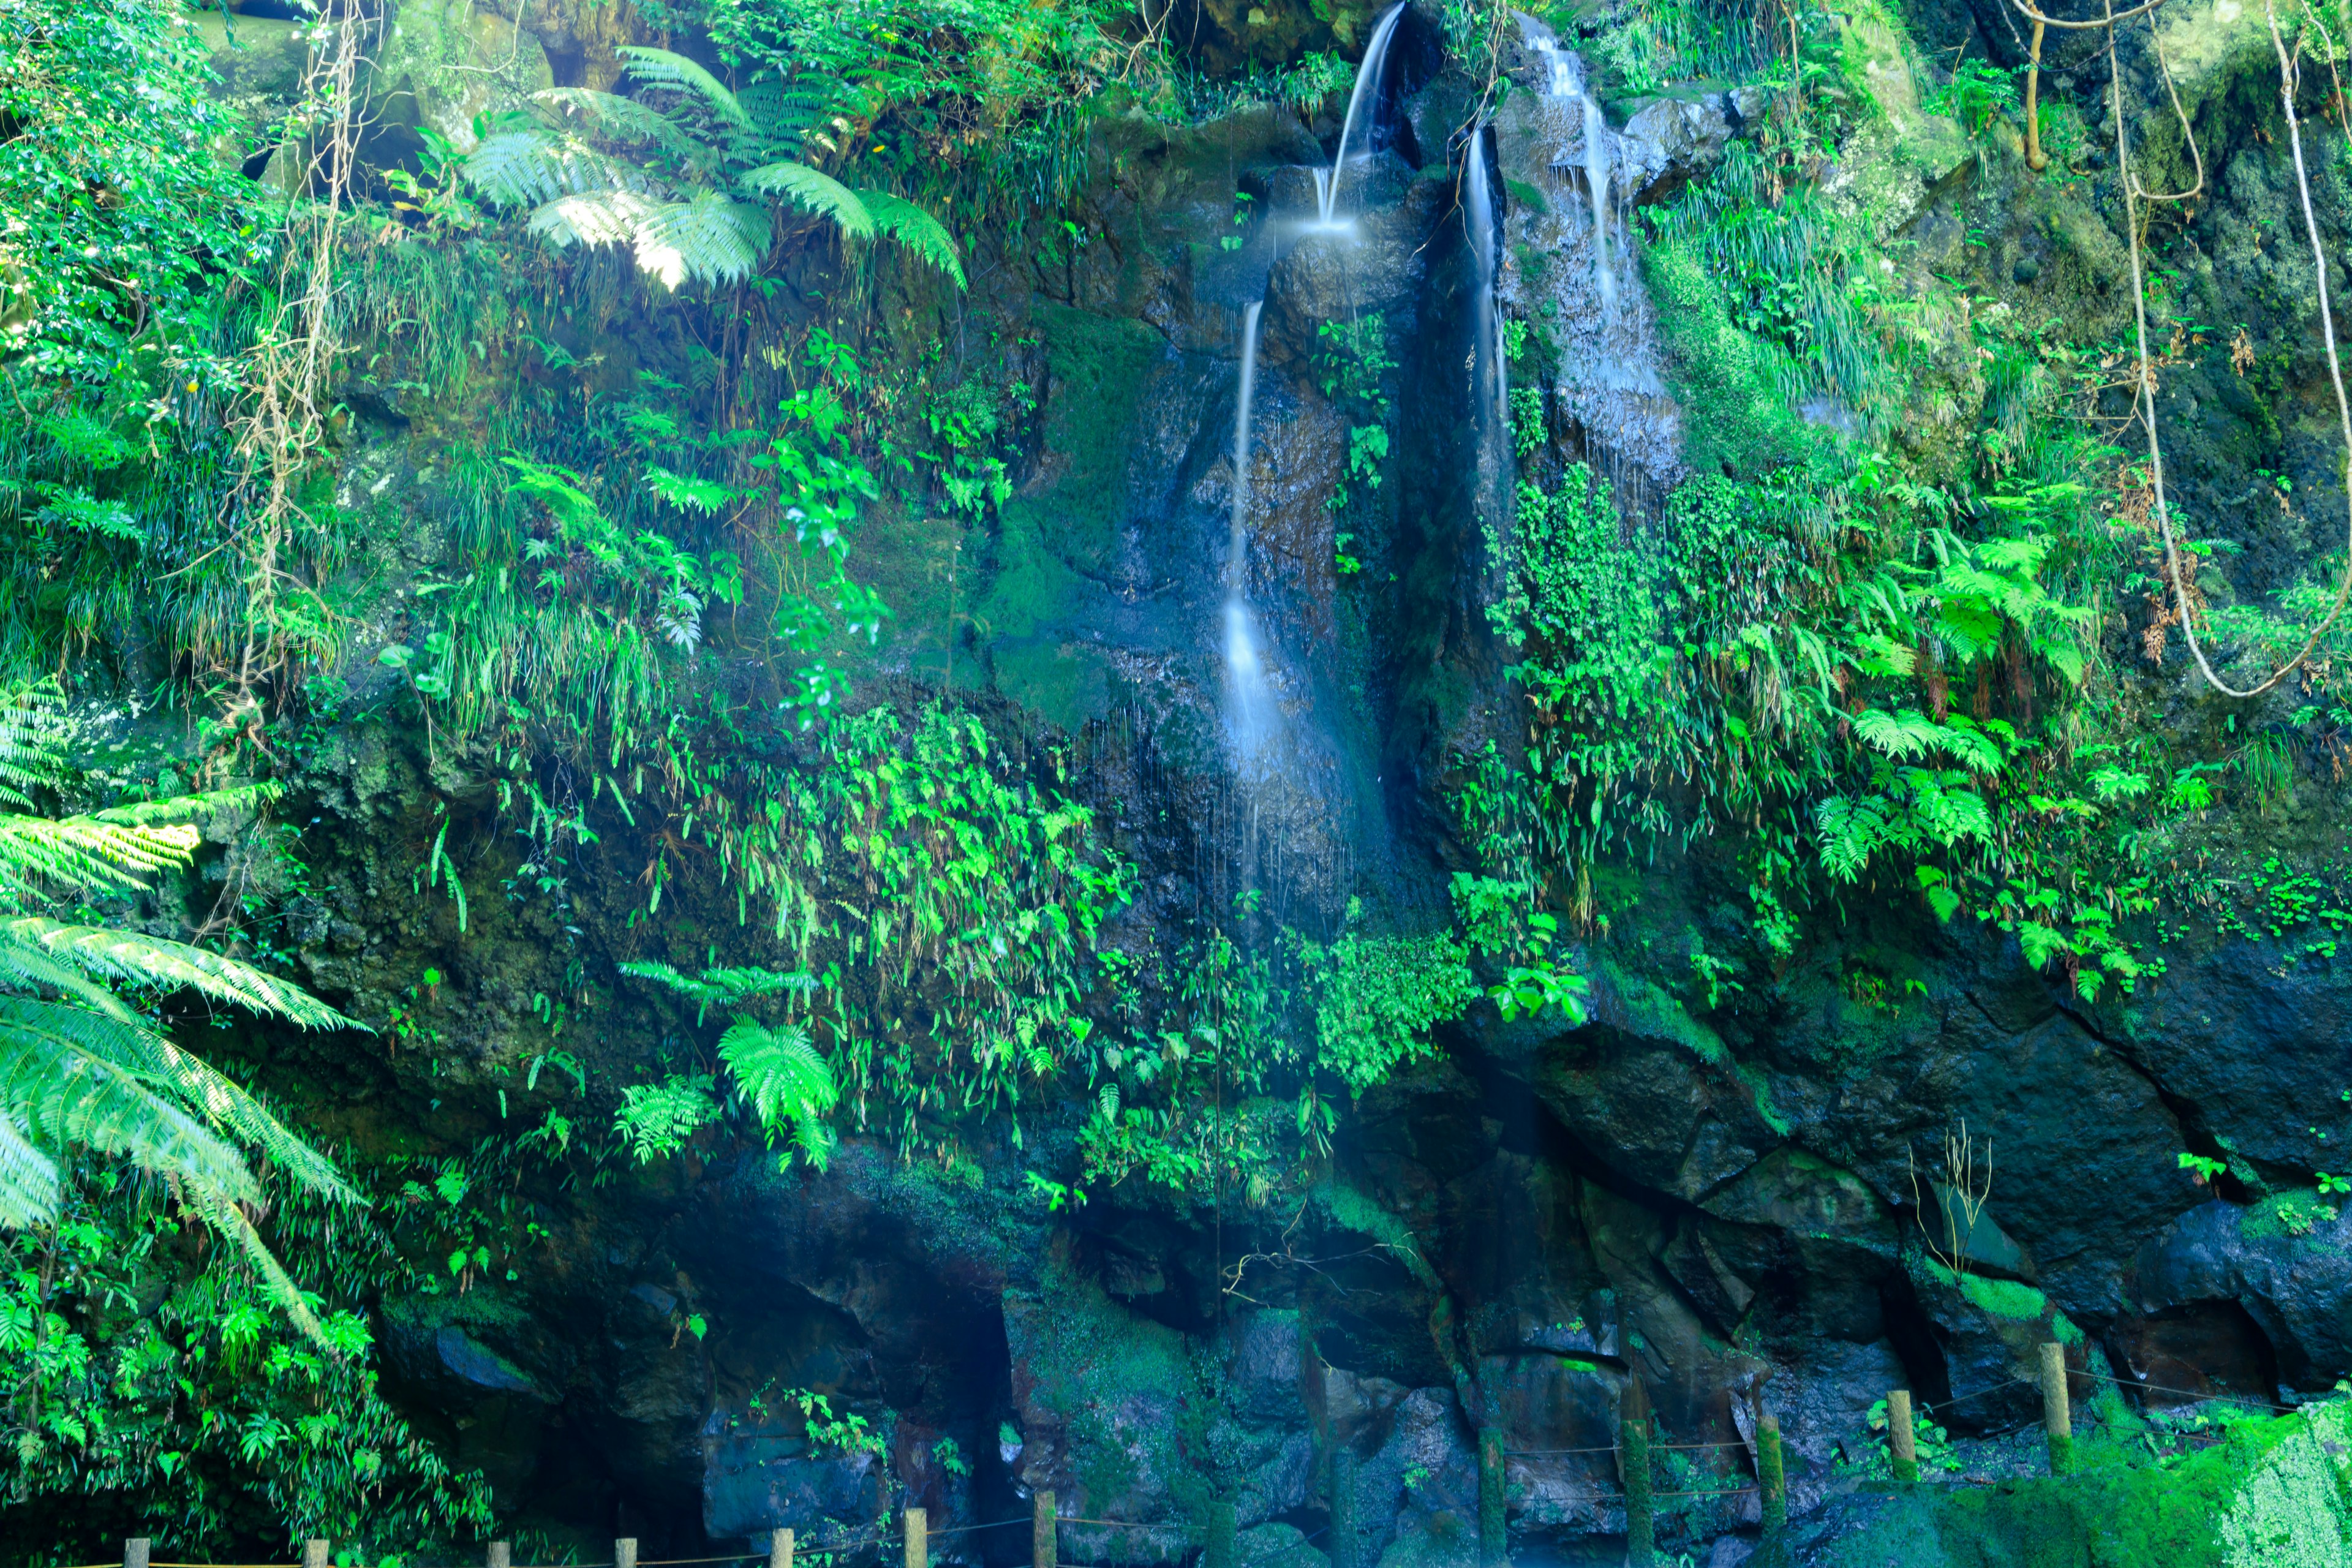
(915, 229)
(139, 960)
(190, 808)
(83, 853)
(34, 969)
(165, 1067)
(1903, 736)
(591, 218)
(30, 1185)
(66, 1094)
(663, 68)
(32, 740)
(627, 119)
(230, 1221)
(816, 192)
(709, 238)
(532, 168)
(779, 116)
(785, 1078)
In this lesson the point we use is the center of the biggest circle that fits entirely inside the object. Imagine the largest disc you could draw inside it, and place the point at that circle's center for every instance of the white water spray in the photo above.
(1253, 707)
(1368, 76)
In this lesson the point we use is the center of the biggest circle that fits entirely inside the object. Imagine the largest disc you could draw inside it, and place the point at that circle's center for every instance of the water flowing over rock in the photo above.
(1567, 260)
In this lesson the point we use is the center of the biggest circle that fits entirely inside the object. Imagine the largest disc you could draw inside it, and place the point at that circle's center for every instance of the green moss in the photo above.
(2005, 1298)
(1055, 544)
(1650, 1011)
(2274, 1494)
(1100, 365)
(1735, 417)
(1352, 1210)
(2284, 1216)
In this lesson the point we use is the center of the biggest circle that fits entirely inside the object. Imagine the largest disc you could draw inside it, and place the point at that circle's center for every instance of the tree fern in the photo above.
(781, 117)
(29, 1178)
(709, 238)
(129, 957)
(81, 852)
(627, 119)
(79, 1068)
(682, 225)
(591, 218)
(532, 167)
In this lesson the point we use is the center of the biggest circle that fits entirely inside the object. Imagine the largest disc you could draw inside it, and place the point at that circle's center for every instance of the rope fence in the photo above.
(1631, 1451)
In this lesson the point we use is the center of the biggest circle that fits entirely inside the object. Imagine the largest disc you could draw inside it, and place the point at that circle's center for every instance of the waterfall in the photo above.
(1596, 181)
(1478, 206)
(1565, 84)
(1253, 708)
(1592, 309)
(1368, 76)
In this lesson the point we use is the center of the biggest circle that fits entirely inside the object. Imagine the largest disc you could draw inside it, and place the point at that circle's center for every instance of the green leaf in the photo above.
(708, 238)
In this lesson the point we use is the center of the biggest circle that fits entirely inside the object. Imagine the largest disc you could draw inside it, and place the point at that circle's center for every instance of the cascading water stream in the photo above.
(1252, 708)
(1479, 210)
(1368, 76)
(1596, 181)
(1564, 84)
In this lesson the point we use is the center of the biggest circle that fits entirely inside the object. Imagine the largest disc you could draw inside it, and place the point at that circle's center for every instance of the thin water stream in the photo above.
(1564, 84)
(1368, 76)
(1478, 212)
(1252, 708)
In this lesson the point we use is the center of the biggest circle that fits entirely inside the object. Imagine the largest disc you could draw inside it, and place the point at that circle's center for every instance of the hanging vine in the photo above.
(2143, 382)
(284, 424)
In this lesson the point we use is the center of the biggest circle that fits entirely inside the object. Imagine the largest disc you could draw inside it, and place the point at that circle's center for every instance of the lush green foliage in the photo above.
(673, 202)
(117, 207)
(144, 1367)
(80, 1066)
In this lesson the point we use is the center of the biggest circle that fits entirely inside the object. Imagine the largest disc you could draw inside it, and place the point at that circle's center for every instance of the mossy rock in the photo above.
(2276, 1494)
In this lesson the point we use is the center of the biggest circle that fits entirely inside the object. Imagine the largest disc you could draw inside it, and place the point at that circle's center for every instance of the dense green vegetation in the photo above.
(1902, 643)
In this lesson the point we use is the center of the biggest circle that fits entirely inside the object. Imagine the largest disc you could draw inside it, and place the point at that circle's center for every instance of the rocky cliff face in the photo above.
(1710, 1195)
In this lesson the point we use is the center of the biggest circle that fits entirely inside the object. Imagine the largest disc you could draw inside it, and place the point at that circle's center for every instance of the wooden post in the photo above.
(780, 1549)
(1224, 1526)
(2057, 1419)
(1900, 1440)
(1343, 1507)
(1044, 1536)
(1771, 1480)
(624, 1552)
(136, 1551)
(314, 1555)
(1494, 1541)
(501, 1554)
(1634, 1441)
(918, 1544)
